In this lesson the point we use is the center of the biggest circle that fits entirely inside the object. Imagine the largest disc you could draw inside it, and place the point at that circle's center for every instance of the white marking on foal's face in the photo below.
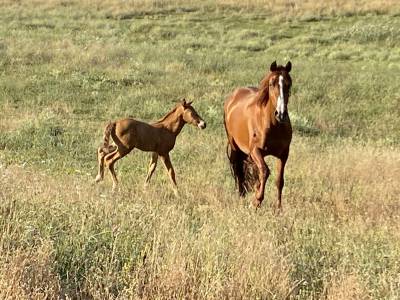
(201, 124)
(280, 106)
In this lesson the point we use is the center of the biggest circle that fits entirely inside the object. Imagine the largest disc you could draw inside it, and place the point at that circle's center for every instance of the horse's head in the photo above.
(190, 115)
(279, 90)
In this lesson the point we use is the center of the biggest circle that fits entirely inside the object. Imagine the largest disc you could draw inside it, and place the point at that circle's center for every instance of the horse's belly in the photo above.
(147, 147)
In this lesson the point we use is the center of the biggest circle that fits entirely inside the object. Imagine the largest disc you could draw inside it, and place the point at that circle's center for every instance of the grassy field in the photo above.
(68, 67)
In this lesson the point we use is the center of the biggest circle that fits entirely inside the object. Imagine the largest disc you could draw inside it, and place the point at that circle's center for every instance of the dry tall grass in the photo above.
(207, 244)
(67, 67)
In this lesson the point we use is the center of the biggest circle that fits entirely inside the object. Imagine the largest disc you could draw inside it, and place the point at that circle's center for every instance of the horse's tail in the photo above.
(107, 133)
(243, 170)
(237, 168)
(250, 170)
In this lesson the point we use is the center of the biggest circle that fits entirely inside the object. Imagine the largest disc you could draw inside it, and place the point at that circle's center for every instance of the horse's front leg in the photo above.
(263, 173)
(171, 173)
(280, 167)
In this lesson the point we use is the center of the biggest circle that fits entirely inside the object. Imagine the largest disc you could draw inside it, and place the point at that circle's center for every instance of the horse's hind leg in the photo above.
(152, 167)
(110, 161)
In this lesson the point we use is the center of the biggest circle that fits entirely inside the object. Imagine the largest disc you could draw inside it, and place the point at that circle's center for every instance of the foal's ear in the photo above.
(273, 67)
(183, 101)
(288, 66)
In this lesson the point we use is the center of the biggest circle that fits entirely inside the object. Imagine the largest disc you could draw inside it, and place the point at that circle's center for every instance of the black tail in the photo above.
(243, 169)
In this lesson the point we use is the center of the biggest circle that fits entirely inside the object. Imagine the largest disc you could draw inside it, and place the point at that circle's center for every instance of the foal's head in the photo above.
(279, 83)
(189, 114)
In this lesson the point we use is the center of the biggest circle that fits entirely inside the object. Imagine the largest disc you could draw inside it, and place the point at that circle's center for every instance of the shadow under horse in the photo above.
(158, 137)
(257, 124)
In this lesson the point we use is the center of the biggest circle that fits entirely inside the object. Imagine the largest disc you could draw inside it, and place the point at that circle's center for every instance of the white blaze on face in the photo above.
(201, 124)
(280, 106)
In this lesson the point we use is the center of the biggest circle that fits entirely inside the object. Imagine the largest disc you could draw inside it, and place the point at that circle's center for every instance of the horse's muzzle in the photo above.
(202, 125)
(282, 117)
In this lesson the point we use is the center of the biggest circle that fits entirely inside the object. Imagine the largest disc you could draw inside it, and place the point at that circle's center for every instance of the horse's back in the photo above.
(134, 133)
(239, 96)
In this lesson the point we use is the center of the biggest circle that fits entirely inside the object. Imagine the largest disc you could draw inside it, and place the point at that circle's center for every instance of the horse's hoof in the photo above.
(277, 210)
(98, 178)
(256, 203)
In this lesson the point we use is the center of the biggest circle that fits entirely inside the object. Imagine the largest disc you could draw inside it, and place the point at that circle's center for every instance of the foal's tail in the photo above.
(110, 127)
(104, 149)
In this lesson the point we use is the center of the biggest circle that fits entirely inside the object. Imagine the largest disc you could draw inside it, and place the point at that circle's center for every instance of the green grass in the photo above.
(66, 70)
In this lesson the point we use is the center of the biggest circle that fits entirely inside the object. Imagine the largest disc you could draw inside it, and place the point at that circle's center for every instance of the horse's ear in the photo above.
(288, 66)
(183, 101)
(189, 103)
(273, 67)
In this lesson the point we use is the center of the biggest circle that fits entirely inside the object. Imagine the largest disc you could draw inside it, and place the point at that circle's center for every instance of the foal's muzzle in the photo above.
(201, 124)
(282, 117)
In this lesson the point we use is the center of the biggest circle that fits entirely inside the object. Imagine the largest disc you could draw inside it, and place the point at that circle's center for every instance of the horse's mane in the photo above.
(263, 89)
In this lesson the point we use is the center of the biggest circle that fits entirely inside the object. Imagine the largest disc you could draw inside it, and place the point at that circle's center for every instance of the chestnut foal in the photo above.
(158, 137)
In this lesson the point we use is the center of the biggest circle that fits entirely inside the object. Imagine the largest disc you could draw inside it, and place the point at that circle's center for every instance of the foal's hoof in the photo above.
(98, 178)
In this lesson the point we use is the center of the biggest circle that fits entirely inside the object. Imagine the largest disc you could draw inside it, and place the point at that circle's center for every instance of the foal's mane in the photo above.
(167, 115)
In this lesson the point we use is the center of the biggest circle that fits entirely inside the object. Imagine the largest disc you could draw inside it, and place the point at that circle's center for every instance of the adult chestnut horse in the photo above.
(257, 124)
(158, 137)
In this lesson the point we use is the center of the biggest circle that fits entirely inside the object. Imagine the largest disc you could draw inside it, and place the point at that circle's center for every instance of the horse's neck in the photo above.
(173, 123)
(267, 114)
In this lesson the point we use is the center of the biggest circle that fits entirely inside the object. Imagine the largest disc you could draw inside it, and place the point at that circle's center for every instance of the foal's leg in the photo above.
(111, 159)
(263, 173)
(171, 173)
(100, 159)
(102, 151)
(280, 166)
(152, 167)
